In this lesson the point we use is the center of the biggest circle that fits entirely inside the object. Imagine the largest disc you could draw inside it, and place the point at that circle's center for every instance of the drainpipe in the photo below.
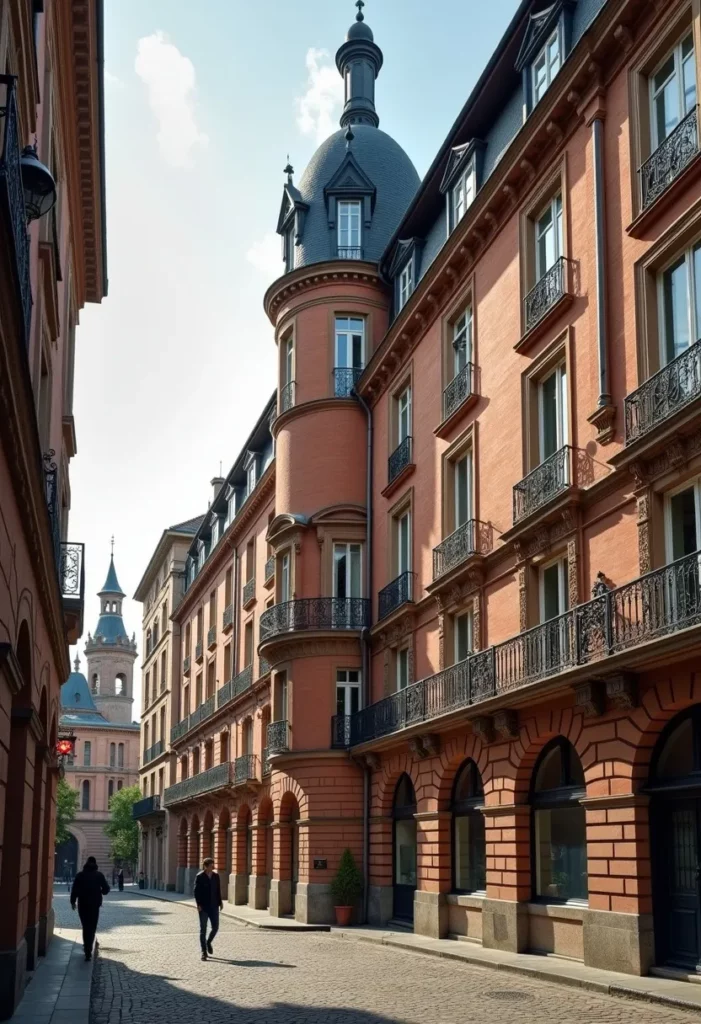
(597, 130)
(365, 642)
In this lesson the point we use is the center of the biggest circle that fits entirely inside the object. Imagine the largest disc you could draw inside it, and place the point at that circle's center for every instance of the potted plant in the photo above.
(346, 888)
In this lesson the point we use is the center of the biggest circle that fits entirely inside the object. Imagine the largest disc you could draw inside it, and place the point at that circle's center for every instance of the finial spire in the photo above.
(360, 16)
(112, 545)
(76, 663)
(288, 170)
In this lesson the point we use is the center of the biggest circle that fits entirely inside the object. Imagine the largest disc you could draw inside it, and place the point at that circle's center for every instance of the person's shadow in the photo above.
(249, 963)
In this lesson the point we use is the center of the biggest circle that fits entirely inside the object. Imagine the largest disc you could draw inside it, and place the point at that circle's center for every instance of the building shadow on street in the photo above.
(134, 915)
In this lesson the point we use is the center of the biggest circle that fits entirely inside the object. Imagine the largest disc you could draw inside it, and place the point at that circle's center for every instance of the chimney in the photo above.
(217, 483)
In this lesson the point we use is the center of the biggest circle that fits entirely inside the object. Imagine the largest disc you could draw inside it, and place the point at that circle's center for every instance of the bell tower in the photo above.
(111, 654)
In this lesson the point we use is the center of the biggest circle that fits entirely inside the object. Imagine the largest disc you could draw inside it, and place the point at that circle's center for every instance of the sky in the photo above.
(203, 104)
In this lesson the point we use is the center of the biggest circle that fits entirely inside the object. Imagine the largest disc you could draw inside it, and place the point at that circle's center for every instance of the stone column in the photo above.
(220, 859)
(281, 883)
(258, 882)
(508, 849)
(381, 893)
(433, 873)
(238, 892)
(192, 860)
(182, 862)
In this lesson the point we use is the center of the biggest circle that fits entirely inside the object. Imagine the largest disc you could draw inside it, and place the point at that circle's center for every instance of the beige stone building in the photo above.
(160, 591)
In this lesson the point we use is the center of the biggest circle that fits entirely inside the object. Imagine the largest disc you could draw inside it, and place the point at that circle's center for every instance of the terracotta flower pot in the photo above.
(343, 915)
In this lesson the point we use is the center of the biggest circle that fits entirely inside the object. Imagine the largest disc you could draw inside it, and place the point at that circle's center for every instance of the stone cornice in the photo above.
(330, 272)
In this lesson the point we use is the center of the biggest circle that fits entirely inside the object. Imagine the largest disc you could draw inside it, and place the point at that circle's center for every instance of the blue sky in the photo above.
(203, 104)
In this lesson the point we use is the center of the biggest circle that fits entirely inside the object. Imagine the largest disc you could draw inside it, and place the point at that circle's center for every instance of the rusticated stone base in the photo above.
(313, 903)
(13, 964)
(505, 925)
(431, 914)
(619, 942)
(258, 892)
(380, 904)
(46, 930)
(280, 897)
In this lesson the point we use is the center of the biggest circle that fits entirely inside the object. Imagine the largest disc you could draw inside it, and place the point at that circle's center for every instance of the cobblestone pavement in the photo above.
(149, 972)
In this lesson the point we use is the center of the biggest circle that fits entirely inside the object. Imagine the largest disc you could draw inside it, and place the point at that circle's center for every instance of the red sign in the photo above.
(64, 748)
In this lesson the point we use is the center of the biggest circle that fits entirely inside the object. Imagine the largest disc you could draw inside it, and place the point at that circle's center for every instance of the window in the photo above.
(251, 475)
(161, 781)
(248, 644)
(548, 237)
(462, 341)
(403, 530)
(212, 608)
(403, 415)
(288, 364)
(110, 789)
(349, 229)
(85, 796)
(87, 750)
(200, 625)
(288, 243)
(113, 753)
(469, 848)
(146, 689)
(281, 697)
(680, 304)
(558, 822)
(164, 671)
(462, 490)
(183, 768)
(227, 663)
(196, 761)
(186, 701)
(198, 690)
(402, 668)
(546, 65)
(683, 532)
(347, 691)
(209, 755)
(349, 354)
(224, 748)
(228, 587)
(120, 755)
(119, 785)
(285, 581)
(211, 680)
(554, 642)
(250, 560)
(95, 683)
(462, 194)
(347, 571)
(462, 636)
(672, 90)
(552, 412)
(406, 283)
(553, 590)
(247, 737)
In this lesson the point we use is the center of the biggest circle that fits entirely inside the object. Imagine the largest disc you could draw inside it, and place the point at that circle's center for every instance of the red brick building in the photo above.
(481, 524)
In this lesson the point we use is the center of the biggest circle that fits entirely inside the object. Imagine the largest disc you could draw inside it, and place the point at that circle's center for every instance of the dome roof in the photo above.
(388, 167)
(360, 30)
(75, 693)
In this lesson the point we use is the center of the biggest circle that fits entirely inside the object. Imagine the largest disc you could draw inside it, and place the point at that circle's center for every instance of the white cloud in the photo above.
(113, 80)
(266, 256)
(170, 80)
(318, 109)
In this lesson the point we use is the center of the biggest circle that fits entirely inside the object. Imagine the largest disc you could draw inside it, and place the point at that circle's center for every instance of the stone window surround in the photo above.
(556, 182)
(559, 349)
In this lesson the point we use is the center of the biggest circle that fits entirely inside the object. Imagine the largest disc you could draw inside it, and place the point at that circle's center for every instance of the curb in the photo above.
(241, 920)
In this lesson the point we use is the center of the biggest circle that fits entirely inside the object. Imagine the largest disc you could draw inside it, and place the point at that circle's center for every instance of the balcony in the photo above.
(395, 594)
(547, 481)
(204, 711)
(278, 737)
(399, 460)
(269, 574)
(179, 730)
(314, 613)
(552, 287)
(211, 638)
(199, 652)
(153, 752)
(12, 210)
(344, 380)
(472, 538)
(350, 252)
(186, 665)
(149, 805)
(341, 731)
(263, 667)
(669, 159)
(239, 684)
(71, 574)
(249, 593)
(227, 618)
(246, 769)
(287, 396)
(666, 393)
(218, 777)
(458, 391)
(266, 762)
(612, 625)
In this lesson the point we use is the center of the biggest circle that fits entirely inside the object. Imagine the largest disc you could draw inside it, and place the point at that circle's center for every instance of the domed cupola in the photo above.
(359, 183)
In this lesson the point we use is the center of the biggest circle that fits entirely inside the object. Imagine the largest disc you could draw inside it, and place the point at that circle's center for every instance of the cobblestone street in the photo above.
(149, 972)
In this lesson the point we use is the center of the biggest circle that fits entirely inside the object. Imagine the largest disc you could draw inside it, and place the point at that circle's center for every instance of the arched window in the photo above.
(559, 826)
(85, 798)
(113, 754)
(120, 684)
(120, 755)
(119, 785)
(95, 683)
(110, 789)
(469, 872)
(403, 811)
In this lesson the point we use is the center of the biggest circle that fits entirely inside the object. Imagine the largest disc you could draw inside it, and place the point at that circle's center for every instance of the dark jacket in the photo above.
(89, 886)
(208, 891)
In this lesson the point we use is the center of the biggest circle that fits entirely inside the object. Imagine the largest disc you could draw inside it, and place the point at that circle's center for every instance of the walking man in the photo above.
(89, 886)
(209, 903)
(120, 879)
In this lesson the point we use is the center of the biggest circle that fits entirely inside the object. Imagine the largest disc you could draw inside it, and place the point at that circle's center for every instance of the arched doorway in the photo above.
(66, 859)
(675, 832)
(289, 845)
(404, 849)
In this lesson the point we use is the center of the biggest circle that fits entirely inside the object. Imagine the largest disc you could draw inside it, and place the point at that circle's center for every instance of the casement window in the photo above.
(113, 751)
(679, 302)
(402, 667)
(462, 636)
(672, 88)
(548, 237)
(552, 412)
(402, 526)
(227, 663)
(281, 697)
(462, 490)
(553, 589)
(211, 678)
(462, 195)
(403, 415)
(288, 363)
(546, 65)
(683, 521)
(349, 354)
(224, 748)
(198, 690)
(347, 571)
(215, 531)
(248, 644)
(87, 751)
(558, 824)
(462, 341)
(288, 247)
(85, 799)
(285, 584)
(406, 283)
(347, 691)
(469, 846)
(350, 229)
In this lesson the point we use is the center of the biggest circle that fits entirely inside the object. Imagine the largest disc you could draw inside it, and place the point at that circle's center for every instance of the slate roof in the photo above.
(79, 709)
(189, 526)
(75, 693)
(111, 584)
(111, 629)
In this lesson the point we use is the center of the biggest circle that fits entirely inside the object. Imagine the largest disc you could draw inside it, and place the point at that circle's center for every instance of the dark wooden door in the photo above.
(678, 905)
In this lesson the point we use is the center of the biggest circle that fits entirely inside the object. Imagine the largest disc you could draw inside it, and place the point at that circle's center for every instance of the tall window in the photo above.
(680, 304)
(211, 678)
(347, 574)
(85, 796)
(164, 671)
(403, 540)
(224, 748)
(248, 644)
(462, 341)
(198, 690)
(403, 415)
(347, 691)
(552, 412)
(406, 283)
(548, 237)
(349, 229)
(228, 587)
(250, 560)
(462, 490)
(87, 750)
(120, 755)
(402, 668)
(113, 754)
(285, 581)
(462, 636)
(110, 789)
(350, 353)
(120, 783)
(227, 663)
(672, 90)
(553, 590)
(683, 521)
(247, 737)
(469, 849)
(546, 65)
(289, 360)
(559, 826)
(462, 194)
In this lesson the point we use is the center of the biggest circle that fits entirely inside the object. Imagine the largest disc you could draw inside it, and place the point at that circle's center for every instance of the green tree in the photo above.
(66, 806)
(122, 828)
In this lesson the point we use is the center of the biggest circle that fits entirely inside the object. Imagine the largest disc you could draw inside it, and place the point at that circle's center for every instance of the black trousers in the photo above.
(88, 918)
(210, 914)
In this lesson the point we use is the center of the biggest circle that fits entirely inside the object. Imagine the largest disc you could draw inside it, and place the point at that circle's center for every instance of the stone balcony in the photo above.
(218, 777)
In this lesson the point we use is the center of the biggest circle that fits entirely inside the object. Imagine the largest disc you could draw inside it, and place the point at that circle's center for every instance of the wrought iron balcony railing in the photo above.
(669, 159)
(149, 805)
(228, 617)
(12, 198)
(395, 594)
(542, 484)
(278, 737)
(287, 396)
(459, 390)
(546, 292)
(179, 730)
(263, 667)
(266, 762)
(341, 730)
(52, 501)
(350, 252)
(186, 665)
(269, 570)
(211, 637)
(245, 769)
(249, 592)
(651, 607)
(243, 681)
(72, 570)
(198, 651)
(218, 777)
(399, 459)
(665, 393)
(312, 613)
(204, 711)
(154, 751)
(344, 380)
(469, 539)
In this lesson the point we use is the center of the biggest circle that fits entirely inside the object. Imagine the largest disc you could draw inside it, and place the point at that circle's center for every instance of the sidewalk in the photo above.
(665, 991)
(59, 990)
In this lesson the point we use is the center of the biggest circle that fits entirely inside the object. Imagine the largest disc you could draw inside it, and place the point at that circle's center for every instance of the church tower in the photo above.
(111, 655)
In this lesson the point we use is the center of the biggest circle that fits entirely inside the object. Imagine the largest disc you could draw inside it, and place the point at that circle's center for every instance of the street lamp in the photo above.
(38, 184)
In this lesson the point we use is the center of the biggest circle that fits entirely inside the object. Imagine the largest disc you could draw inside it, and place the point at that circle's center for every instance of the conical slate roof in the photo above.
(75, 692)
(111, 584)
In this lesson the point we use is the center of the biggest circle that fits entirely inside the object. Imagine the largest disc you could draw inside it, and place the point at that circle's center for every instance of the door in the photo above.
(404, 850)
(350, 354)
(682, 589)
(678, 924)
(552, 414)
(553, 639)
(347, 585)
(294, 866)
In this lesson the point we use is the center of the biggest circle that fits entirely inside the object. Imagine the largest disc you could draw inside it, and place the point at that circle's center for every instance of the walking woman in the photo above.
(89, 886)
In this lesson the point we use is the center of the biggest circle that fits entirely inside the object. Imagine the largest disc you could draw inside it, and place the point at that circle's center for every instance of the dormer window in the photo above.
(350, 229)
(250, 465)
(463, 193)
(545, 46)
(547, 64)
(288, 248)
(406, 283)
(201, 554)
(461, 179)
